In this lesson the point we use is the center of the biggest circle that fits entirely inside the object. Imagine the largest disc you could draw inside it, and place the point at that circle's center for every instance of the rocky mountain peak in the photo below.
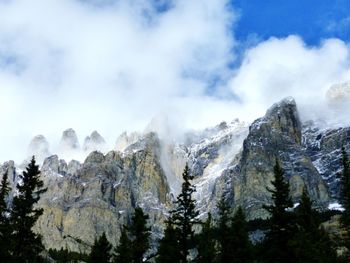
(94, 142)
(69, 140)
(283, 116)
(39, 147)
(94, 157)
(125, 140)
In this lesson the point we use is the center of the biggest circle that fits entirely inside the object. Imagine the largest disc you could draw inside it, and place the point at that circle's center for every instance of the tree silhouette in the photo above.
(27, 245)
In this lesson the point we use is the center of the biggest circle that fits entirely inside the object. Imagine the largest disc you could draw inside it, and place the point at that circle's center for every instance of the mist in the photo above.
(115, 65)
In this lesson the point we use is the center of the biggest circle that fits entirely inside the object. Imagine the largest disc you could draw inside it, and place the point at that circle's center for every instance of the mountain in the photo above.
(233, 159)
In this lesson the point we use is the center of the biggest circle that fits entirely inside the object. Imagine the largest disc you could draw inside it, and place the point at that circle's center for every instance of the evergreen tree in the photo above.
(344, 198)
(169, 250)
(185, 215)
(240, 244)
(310, 242)
(101, 250)
(206, 243)
(5, 228)
(123, 252)
(223, 233)
(140, 234)
(27, 245)
(281, 224)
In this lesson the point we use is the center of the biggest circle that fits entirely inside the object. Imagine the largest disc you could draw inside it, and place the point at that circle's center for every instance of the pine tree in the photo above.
(206, 243)
(344, 198)
(223, 233)
(240, 244)
(5, 227)
(310, 242)
(140, 234)
(123, 252)
(184, 216)
(281, 224)
(101, 250)
(27, 245)
(169, 250)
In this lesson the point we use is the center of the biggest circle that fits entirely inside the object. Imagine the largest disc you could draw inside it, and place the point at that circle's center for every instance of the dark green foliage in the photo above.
(310, 242)
(65, 256)
(134, 239)
(5, 228)
(344, 197)
(224, 236)
(281, 227)
(27, 245)
(139, 233)
(184, 216)
(240, 244)
(123, 252)
(101, 250)
(169, 250)
(206, 243)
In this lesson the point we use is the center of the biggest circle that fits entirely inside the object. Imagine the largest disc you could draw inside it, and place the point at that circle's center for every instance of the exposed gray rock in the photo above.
(94, 142)
(276, 135)
(125, 140)
(324, 149)
(69, 141)
(99, 195)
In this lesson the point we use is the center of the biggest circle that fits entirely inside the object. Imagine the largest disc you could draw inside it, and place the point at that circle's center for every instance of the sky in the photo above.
(114, 65)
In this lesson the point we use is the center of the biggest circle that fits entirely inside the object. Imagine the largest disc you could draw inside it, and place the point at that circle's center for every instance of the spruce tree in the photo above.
(344, 198)
(27, 245)
(223, 233)
(185, 215)
(240, 244)
(281, 227)
(101, 250)
(206, 242)
(139, 233)
(310, 242)
(5, 227)
(169, 250)
(123, 252)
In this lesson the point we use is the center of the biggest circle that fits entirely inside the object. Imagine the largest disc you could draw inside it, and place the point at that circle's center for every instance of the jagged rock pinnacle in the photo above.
(69, 141)
(94, 142)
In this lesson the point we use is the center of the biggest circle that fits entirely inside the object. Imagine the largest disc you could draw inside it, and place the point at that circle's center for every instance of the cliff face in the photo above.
(233, 160)
(277, 135)
(100, 194)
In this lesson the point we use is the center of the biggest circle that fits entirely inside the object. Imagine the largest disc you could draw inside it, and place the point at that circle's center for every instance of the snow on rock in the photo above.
(335, 206)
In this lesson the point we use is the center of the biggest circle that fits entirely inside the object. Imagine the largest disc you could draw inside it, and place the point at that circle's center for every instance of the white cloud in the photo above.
(277, 68)
(110, 67)
(113, 65)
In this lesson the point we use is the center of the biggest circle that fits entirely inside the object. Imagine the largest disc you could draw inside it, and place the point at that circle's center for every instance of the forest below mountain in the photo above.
(290, 234)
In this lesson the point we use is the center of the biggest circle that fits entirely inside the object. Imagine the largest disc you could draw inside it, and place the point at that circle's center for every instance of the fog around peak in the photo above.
(112, 66)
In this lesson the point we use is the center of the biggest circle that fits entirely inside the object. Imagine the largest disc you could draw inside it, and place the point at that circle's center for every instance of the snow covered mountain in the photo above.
(234, 160)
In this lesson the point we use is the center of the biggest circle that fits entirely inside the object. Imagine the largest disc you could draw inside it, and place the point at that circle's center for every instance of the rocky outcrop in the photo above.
(324, 148)
(100, 195)
(232, 160)
(277, 135)
(69, 141)
(94, 142)
(125, 140)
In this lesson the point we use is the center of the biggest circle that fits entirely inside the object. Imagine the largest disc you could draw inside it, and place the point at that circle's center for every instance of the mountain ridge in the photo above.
(232, 160)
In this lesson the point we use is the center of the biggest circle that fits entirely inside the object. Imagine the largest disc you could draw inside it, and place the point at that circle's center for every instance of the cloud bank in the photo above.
(114, 65)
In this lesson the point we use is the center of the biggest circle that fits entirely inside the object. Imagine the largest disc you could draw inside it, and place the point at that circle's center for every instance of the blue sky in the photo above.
(313, 20)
